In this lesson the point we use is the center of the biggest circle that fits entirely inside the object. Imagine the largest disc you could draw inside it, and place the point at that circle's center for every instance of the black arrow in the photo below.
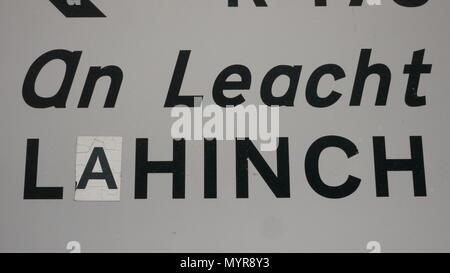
(77, 8)
(258, 3)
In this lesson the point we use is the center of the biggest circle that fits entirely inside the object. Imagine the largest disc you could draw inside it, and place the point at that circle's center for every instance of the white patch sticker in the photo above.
(98, 168)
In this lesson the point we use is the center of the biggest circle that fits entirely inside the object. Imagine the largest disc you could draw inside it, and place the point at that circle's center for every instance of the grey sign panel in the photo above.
(140, 43)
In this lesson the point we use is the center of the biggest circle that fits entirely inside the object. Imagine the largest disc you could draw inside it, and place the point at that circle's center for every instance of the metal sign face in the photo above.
(224, 126)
